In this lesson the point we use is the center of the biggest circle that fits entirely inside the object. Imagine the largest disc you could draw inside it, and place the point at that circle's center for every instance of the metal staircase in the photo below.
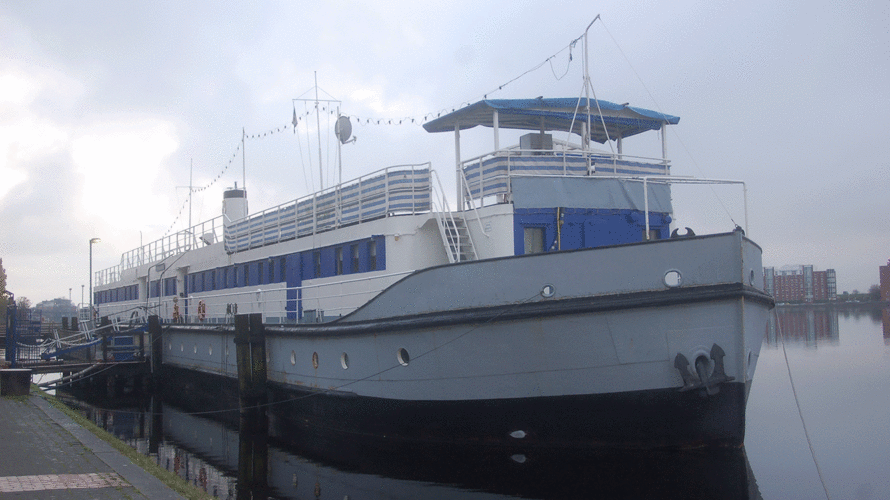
(457, 239)
(453, 228)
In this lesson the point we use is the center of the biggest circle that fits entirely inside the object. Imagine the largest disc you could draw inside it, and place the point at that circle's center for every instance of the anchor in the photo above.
(700, 379)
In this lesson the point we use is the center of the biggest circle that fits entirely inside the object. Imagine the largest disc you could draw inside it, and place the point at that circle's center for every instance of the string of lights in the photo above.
(406, 120)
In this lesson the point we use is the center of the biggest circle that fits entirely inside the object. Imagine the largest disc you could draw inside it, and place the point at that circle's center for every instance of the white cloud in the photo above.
(120, 161)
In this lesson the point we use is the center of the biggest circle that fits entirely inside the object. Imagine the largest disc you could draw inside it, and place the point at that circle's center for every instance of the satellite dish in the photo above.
(343, 129)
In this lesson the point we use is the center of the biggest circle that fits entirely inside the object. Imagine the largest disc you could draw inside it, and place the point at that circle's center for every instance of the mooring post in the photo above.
(156, 428)
(103, 327)
(250, 352)
(157, 347)
(253, 457)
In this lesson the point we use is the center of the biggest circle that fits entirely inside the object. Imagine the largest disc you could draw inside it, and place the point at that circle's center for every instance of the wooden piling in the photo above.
(157, 347)
(105, 332)
(250, 352)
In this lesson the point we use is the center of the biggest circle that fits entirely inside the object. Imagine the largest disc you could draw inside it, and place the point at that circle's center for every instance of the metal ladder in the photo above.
(457, 240)
(453, 228)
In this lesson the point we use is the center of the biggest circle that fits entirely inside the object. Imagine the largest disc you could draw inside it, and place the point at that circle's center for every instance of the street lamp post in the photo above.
(92, 240)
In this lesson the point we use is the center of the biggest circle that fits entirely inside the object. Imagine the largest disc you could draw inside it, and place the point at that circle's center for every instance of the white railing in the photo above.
(402, 189)
(448, 227)
(204, 233)
(489, 175)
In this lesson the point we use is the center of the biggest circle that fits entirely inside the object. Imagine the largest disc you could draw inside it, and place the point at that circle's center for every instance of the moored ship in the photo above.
(554, 306)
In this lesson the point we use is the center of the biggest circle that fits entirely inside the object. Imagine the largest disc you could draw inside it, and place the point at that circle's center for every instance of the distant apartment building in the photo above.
(885, 281)
(800, 284)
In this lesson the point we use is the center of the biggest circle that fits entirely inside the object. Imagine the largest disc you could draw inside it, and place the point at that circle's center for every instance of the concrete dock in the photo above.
(44, 454)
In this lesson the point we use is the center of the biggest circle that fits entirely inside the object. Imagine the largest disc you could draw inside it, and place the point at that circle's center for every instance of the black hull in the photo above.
(665, 418)
(637, 420)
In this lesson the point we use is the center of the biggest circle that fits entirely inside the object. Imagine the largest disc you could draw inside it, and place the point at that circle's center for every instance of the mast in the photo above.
(243, 162)
(585, 144)
(318, 125)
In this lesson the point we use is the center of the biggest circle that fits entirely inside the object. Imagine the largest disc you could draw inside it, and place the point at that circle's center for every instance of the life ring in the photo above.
(202, 310)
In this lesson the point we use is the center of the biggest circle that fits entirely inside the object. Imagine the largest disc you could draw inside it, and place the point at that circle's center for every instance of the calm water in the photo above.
(840, 363)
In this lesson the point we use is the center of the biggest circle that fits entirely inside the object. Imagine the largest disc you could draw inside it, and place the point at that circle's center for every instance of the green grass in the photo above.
(176, 483)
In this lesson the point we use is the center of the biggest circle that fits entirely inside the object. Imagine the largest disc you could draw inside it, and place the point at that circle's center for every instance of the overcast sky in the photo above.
(104, 105)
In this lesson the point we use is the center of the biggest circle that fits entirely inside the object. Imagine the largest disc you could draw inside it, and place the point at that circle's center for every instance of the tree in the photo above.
(874, 292)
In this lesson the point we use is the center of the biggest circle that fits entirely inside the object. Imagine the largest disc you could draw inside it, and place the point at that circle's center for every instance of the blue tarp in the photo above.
(555, 114)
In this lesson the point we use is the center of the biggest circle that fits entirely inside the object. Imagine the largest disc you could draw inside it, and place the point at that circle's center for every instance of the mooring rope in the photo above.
(799, 411)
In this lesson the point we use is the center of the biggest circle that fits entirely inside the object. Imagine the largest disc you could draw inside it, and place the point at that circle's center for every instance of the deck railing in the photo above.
(489, 175)
(197, 236)
(400, 189)
(403, 189)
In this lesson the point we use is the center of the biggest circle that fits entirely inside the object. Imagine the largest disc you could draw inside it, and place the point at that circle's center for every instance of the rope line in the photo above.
(799, 410)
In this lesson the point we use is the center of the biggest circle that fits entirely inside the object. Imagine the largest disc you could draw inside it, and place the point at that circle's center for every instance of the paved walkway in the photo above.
(44, 454)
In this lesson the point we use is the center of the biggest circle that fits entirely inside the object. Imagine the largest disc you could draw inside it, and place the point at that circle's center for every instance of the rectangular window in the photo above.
(339, 257)
(316, 257)
(355, 258)
(534, 239)
(282, 263)
(271, 277)
(260, 274)
(372, 255)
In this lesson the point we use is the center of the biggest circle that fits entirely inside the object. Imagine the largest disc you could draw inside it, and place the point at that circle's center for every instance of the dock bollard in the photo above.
(15, 381)
(250, 351)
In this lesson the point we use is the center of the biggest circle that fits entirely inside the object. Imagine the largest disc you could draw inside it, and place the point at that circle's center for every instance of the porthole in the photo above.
(547, 291)
(403, 357)
(673, 279)
(344, 361)
(315, 360)
(293, 358)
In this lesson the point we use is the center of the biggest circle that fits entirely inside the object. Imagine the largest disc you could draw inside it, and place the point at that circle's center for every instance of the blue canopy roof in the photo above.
(555, 114)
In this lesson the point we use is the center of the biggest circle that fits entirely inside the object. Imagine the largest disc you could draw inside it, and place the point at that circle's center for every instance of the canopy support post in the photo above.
(495, 126)
(459, 176)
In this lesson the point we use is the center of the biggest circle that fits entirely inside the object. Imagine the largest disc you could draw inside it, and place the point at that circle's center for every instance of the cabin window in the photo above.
(271, 276)
(339, 257)
(534, 239)
(260, 274)
(372, 254)
(282, 276)
(355, 262)
(316, 258)
(245, 274)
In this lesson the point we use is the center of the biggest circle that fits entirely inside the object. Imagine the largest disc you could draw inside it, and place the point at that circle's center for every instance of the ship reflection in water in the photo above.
(238, 459)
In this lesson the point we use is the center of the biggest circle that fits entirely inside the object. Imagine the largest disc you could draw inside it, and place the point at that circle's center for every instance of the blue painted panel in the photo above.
(586, 228)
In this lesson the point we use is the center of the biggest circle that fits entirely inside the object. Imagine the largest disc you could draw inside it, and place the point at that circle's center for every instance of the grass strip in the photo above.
(173, 481)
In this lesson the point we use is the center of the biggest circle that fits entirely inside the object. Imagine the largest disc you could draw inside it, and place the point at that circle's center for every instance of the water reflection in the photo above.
(810, 325)
(237, 461)
(885, 321)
